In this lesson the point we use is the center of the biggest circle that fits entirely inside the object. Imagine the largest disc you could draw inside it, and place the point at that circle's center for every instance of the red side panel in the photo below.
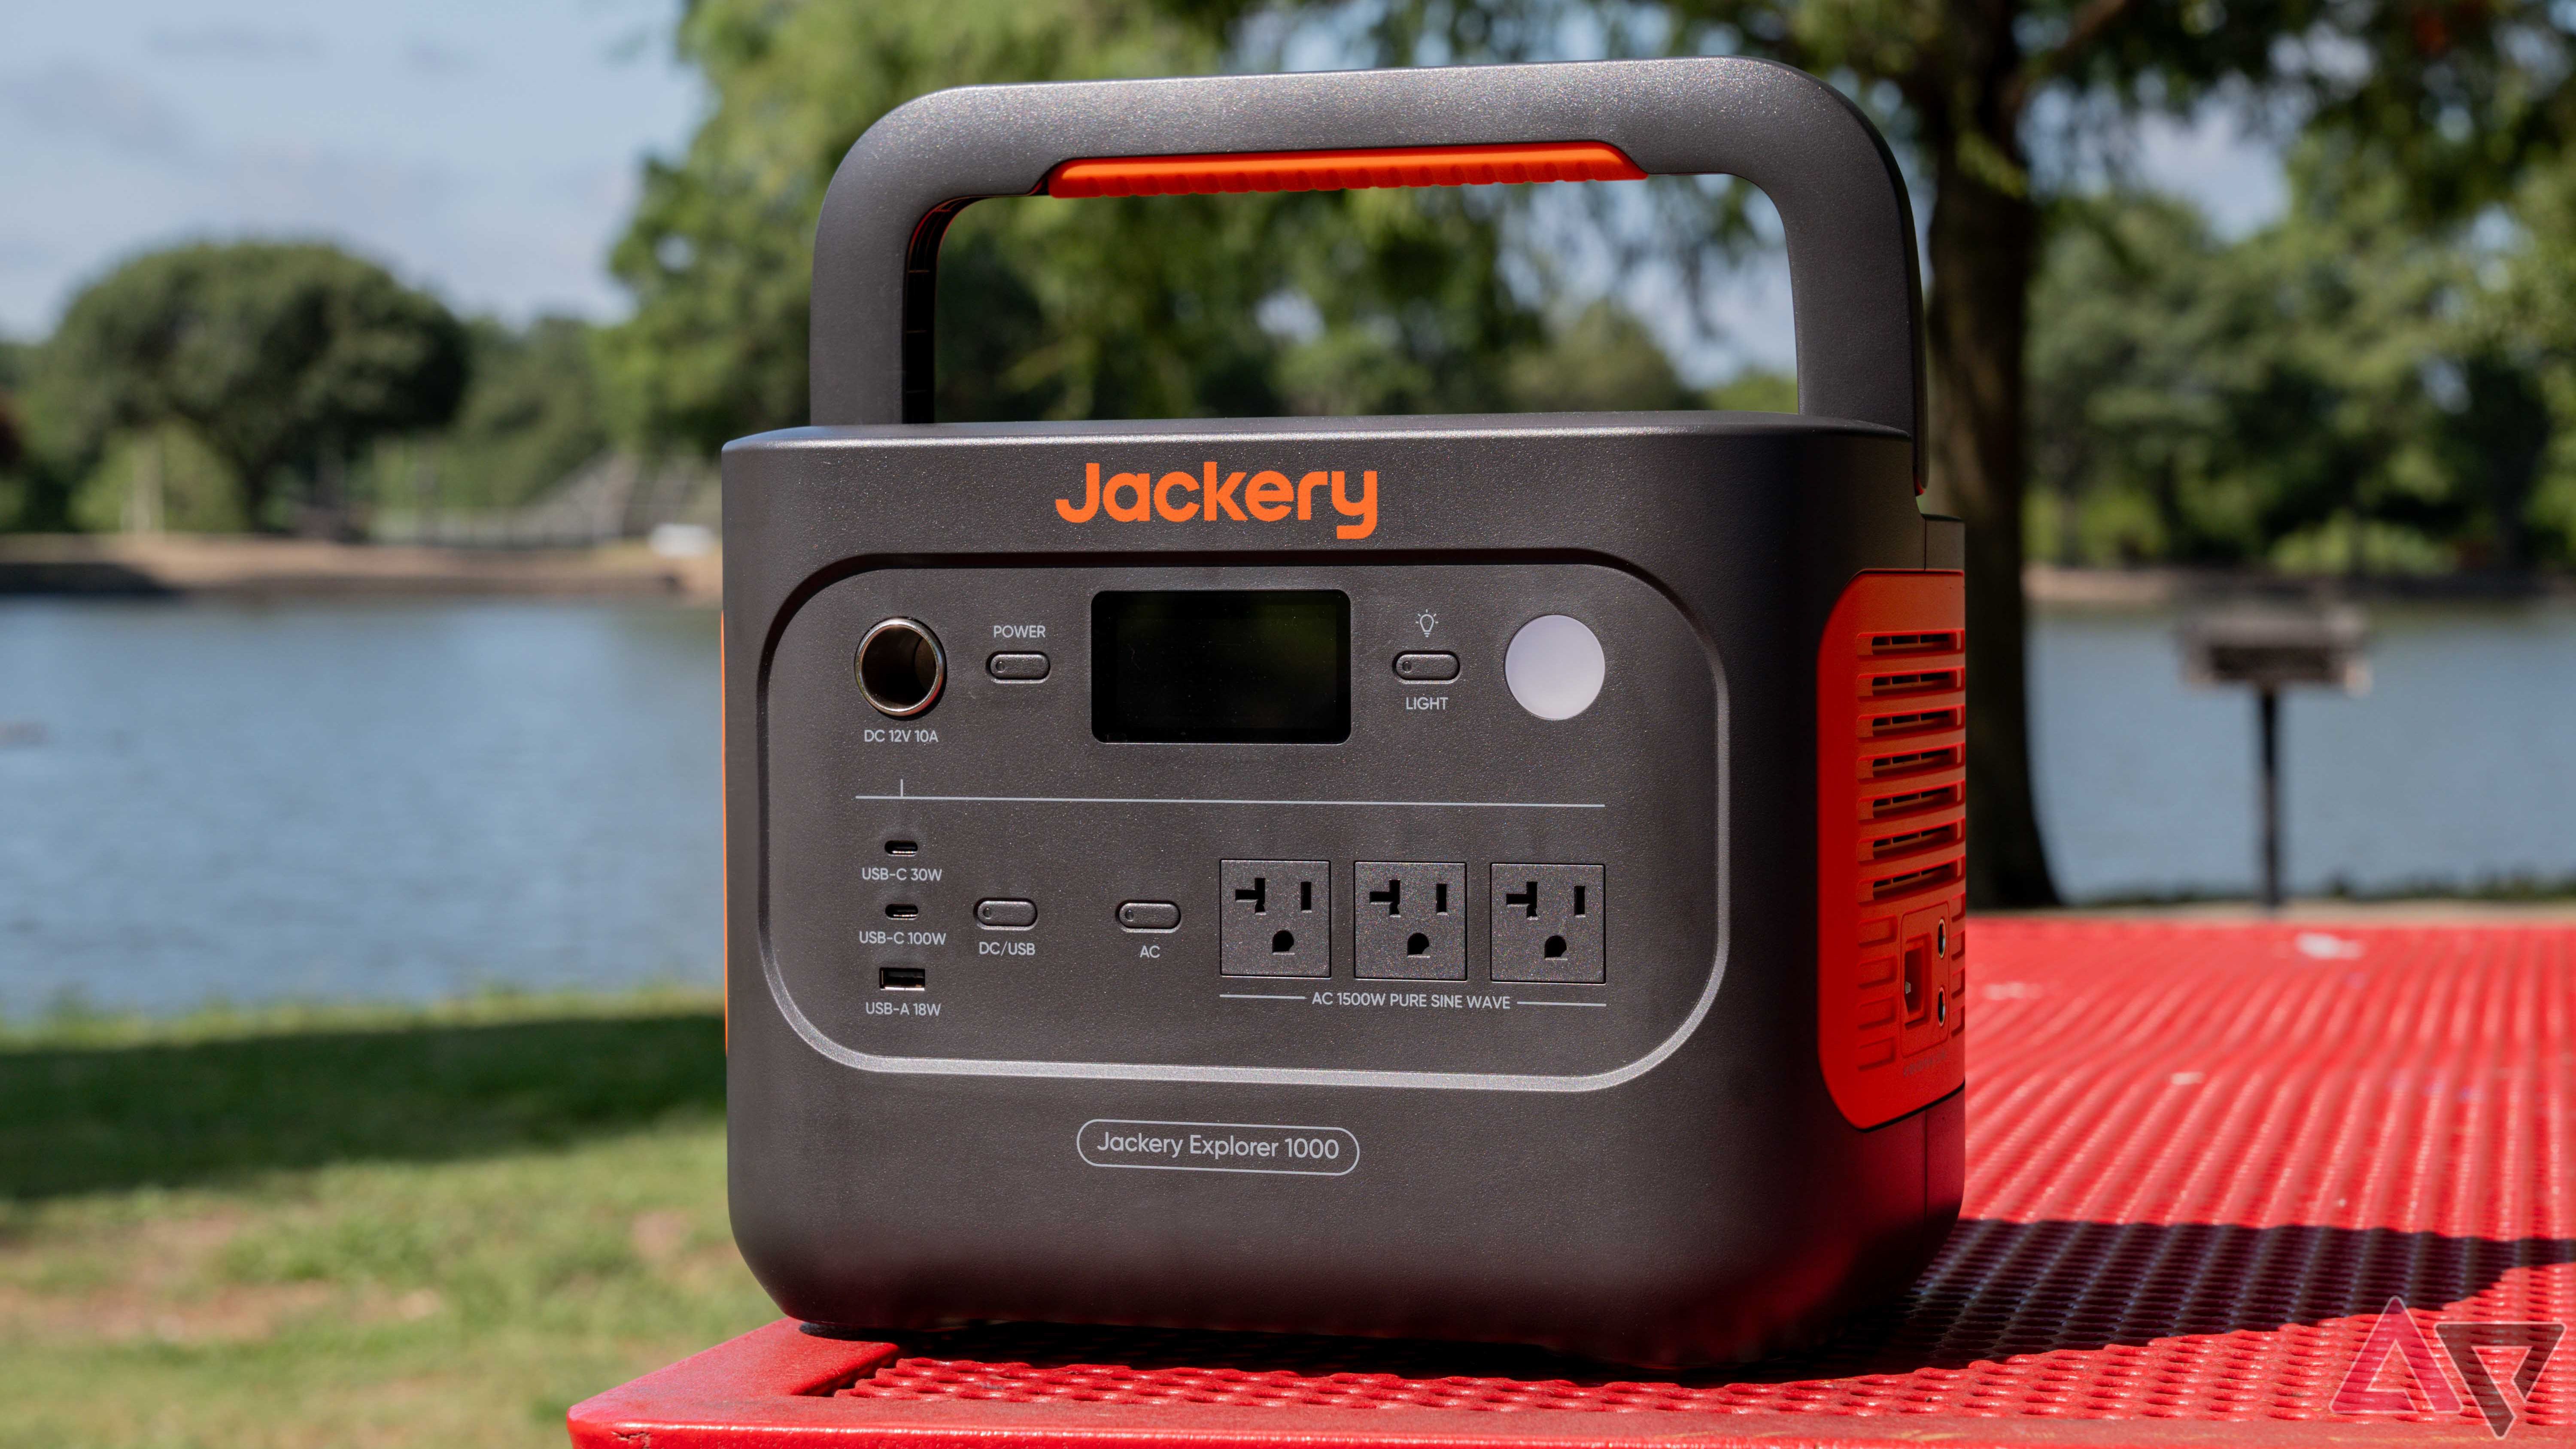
(1343, 170)
(1891, 842)
(724, 829)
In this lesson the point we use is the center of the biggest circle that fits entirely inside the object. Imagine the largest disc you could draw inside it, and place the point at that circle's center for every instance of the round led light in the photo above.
(1554, 667)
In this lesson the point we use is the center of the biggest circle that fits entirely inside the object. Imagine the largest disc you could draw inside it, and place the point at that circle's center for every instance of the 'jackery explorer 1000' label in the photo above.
(1218, 1147)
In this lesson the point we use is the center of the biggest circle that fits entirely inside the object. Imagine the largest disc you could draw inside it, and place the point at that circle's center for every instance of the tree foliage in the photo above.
(1361, 302)
(531, 414)
(30, 493)
(13, 366)
(281, 357)
(2352, 387)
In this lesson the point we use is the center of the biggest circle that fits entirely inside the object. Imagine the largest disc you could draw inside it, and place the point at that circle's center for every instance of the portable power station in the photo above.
(1490, 877)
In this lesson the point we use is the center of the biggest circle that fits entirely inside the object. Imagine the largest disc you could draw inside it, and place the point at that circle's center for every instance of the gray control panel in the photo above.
(1411, 867)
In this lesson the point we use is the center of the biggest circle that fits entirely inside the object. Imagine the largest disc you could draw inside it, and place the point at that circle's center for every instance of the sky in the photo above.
(489, 151)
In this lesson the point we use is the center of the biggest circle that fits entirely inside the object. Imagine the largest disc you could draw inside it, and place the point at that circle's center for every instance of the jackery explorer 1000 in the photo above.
(1488, 877)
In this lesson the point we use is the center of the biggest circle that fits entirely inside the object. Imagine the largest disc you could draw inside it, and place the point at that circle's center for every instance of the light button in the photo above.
(1555, 666)
(1006, 915)
(1149, 915)
(1023, 668)
(1426, 665)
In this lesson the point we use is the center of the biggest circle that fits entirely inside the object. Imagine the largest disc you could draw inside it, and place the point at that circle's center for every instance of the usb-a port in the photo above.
(902, 978)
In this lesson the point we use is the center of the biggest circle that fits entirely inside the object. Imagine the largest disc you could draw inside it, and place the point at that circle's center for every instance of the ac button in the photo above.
(1149, 915)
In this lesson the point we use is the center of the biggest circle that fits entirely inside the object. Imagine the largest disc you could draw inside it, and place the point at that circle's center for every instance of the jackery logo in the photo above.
(2397, 1371)
(1211, 496)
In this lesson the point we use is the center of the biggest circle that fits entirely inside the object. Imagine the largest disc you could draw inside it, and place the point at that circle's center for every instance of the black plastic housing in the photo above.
(1660, 1178)
(998, 1050)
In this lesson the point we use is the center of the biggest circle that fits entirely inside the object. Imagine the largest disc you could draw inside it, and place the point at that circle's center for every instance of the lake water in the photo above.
(397, 801)
(2457, 768)
(405, 801)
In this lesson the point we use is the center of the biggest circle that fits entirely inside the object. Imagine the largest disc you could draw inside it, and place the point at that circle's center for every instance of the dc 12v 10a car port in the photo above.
(901, 667)
(1562, 815)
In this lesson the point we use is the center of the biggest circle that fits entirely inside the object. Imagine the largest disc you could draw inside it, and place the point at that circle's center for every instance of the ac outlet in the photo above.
(1551, 923)
(1275, 918)
(1409, 920)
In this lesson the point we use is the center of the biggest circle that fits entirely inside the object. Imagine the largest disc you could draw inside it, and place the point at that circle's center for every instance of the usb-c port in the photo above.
(903, 847)
(902, 978)
(902, 911)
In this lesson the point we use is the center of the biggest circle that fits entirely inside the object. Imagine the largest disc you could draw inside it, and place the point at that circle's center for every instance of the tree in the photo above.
(283, 358)
(13, 370)
(1121, 315)
(1340, 302)
(26, 499)
(2451, 94)
(1603, 359)
(2348, 388)
(2208, 403)
(2528, 323)
(532, 414)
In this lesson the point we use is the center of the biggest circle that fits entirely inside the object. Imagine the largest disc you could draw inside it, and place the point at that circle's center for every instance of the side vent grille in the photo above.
(1937, 708)
(1913, 842)
(1920, 722)
(1913, 762)
(1939, 641)
(1896, 886)
(1891, 734)
(1913, 802)
(1931, 681)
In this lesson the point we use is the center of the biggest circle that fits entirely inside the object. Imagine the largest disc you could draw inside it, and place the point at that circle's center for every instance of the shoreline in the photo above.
(2162, 588)
(234, 566)
(246, 568)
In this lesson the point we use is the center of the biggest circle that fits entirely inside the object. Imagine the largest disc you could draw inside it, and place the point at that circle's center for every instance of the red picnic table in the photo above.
(2205, 1163)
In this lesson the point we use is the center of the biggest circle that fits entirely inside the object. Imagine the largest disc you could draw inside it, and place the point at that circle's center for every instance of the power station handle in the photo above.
(1854, 289)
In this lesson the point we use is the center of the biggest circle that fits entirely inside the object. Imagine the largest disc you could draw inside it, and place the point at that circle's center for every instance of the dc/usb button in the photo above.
(1006, 914)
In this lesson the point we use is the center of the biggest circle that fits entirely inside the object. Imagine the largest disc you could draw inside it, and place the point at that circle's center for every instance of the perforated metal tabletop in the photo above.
(2203, 1161)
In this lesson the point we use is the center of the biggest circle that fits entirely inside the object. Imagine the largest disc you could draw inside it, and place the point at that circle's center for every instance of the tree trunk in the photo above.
(258, 482)
(1984, 246)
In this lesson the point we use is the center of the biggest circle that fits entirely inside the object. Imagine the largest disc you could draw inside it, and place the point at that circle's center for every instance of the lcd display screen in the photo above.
(1270, 666)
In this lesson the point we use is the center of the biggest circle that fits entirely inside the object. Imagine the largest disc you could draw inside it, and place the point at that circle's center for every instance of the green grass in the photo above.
(323, 1228)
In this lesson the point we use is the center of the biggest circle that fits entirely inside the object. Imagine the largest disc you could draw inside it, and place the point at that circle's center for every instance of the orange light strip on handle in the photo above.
(1344, 170)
